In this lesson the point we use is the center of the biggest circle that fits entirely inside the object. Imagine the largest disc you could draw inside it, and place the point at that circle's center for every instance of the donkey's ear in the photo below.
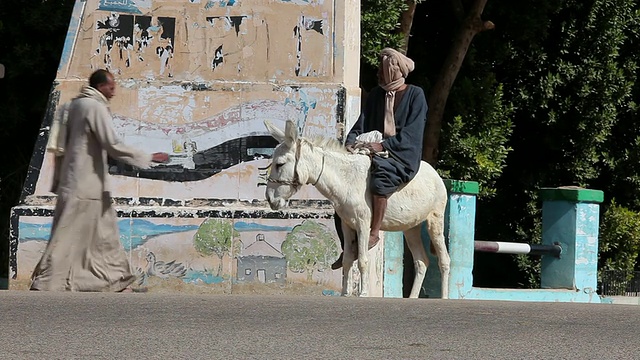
(291, 133)
(275, 132)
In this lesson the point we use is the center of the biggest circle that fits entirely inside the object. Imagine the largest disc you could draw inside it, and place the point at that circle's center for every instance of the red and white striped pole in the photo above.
(517, 248)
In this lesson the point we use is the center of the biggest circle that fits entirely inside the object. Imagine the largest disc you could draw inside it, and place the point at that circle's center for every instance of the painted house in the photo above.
(262, 262)
(263, 269)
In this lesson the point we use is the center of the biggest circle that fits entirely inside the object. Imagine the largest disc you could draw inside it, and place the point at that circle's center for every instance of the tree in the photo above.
(379, 22)
(572, 77)
(215, 236)
(477, 144)
(477, 121)
(471, 24)
(310, 247)
(406, 22)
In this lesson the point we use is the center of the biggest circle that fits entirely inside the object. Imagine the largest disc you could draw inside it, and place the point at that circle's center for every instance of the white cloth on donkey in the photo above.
(374, 136)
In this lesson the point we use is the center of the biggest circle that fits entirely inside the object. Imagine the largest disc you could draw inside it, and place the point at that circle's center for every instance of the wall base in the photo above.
(167, 241)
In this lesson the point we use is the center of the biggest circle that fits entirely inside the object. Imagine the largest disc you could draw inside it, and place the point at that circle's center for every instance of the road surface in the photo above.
(174, 326)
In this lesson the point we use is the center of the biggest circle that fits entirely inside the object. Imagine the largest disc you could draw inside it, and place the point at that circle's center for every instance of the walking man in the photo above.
(84, 252)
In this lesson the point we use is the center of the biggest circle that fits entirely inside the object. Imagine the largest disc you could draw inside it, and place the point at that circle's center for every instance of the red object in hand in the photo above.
(160, 157)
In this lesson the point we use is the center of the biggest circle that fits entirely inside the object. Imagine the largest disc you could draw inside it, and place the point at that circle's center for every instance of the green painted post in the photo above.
(459, 234)
(570, 218)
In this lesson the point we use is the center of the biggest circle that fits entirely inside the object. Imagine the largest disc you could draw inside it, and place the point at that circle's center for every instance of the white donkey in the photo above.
(343, 178)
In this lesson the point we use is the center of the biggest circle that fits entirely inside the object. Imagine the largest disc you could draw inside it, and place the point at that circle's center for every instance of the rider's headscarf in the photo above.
(395, 68)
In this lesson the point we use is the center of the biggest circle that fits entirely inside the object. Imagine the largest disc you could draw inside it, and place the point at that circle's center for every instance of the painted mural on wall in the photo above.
(197, 79)
(128, 40)
(229, 40)
(212, 254)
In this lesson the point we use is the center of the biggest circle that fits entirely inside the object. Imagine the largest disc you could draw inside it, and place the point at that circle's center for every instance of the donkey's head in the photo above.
(284, 178)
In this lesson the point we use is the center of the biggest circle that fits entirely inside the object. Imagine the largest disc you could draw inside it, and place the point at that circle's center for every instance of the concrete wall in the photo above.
(196, 79)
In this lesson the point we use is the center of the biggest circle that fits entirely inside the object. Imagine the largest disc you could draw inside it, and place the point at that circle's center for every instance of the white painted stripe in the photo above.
(513, 248)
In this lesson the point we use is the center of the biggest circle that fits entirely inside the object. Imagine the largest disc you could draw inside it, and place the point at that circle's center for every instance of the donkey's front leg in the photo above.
(348, 258)
(363, 259)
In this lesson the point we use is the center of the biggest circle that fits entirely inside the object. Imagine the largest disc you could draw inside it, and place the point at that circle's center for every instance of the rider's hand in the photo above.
(351, 148)
(374, 147)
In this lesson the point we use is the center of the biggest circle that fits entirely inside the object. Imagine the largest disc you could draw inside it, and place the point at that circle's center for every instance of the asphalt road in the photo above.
(174, 326)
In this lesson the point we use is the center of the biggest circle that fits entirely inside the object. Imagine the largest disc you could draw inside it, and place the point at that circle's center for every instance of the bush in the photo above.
(619, 243)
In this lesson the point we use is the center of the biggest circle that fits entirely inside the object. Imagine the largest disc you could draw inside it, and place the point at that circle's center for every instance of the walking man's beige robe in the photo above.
(84, 252)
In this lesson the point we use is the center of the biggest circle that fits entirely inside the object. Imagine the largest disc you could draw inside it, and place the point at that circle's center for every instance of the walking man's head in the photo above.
(102, 80)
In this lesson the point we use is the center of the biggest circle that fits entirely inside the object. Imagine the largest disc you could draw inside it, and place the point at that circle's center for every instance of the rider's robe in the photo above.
(405, 147)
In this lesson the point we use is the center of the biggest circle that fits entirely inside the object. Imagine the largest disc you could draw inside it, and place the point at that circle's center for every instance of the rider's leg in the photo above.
(379, 205)
(338, 224)
(384, 181)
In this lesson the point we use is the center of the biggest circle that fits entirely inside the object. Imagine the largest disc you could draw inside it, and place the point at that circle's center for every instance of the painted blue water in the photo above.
(244, 226)
(30, 231)
(136, 232)
(133, 232)
(200, 277)
(138, 229)
(328, 292)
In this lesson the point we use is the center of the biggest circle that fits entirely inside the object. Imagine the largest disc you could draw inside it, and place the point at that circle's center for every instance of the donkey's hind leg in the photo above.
(363, 258)
(420, 259)
(348, 257)
(435, 225)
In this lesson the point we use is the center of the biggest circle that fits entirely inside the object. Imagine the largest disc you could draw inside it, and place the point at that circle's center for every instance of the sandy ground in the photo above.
(157, 285)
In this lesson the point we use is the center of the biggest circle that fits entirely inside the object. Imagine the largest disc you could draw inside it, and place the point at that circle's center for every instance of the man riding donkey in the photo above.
(399, 112)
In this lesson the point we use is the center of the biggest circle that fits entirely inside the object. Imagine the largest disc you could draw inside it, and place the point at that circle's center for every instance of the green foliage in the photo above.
(579, 87)
(310, 247)
(529, 265)
(572, 87)
(619, 240)
(379, 22)
(215, 236)
(475, 144)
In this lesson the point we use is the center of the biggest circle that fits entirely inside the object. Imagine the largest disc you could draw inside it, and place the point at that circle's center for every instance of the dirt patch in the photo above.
(19, 284)
(283, 289)
(174, 285)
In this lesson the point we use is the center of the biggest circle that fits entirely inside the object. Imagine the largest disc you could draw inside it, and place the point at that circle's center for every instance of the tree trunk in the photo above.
(470, 26)
(406, 21)
(219, 272)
